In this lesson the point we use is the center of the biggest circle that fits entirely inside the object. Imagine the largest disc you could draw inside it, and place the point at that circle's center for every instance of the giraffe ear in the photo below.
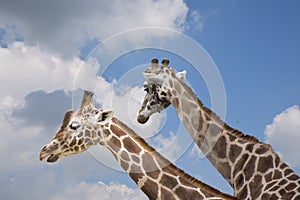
(104, 117)
(181, 75)
(153, 78)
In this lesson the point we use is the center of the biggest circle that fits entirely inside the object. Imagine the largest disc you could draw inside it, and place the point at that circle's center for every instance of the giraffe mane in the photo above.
(166, 162)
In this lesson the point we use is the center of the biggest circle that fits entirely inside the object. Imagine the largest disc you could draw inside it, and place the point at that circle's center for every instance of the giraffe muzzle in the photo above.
(142, 119)
(51, 156)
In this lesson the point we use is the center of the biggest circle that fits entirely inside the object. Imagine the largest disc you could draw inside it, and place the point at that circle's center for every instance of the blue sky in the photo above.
(46, 60)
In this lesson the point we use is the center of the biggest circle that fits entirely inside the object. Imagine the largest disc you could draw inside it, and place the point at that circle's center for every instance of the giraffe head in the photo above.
(156, 99)
(79, 131)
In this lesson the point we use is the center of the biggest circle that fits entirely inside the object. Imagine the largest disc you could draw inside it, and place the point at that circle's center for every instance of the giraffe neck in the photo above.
(251, 167)
(157, 177)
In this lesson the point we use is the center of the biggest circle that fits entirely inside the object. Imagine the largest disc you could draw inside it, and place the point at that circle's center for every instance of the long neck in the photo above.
(248, 165)
(157, 177)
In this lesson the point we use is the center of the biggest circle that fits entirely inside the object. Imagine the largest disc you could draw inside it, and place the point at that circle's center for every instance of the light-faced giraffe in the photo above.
(157, 177)
(252, 168)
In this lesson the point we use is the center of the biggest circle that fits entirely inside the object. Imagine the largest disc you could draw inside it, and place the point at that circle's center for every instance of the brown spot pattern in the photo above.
(165, 194)
(131, 146)
(184, 193)
(115, 144)
(235, 151)
(265, 163)
(125, 165)
(219, 147)
(239, 181)
(226, 169)
(250, 167)
(168, 181)
(239, 165)
(171, 83)
(256, 191)
(148, 162)
(117, 131)
(135, 168)
(135, 158)
(125, 156)
(150, 188)
(261, 150)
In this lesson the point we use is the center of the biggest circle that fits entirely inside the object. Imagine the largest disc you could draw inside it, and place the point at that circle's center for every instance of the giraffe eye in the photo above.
(146, 89)
(74, 125)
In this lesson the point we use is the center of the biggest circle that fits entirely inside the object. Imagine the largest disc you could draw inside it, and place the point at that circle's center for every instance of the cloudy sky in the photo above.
(242, 59)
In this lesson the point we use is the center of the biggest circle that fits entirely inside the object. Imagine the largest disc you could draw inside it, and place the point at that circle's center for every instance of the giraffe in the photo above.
(156, 176)
(252, 168)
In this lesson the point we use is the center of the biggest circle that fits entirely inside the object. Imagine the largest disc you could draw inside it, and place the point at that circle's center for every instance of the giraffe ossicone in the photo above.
(156, 176)
(252, 168)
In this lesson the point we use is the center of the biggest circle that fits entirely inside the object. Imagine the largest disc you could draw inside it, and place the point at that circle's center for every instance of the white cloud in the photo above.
(169, 146)
(26, 68)
(195, 21)
(101, 191)
(283, 132)
(18, 147)
(65, 26)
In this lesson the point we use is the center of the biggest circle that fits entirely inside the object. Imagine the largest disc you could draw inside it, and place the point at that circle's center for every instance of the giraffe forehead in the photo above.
(85, 116)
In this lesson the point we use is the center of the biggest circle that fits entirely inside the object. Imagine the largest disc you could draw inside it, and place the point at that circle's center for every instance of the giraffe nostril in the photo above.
(44, 148)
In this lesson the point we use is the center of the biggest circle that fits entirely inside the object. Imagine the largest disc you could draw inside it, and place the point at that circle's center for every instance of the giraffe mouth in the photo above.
(50, 157)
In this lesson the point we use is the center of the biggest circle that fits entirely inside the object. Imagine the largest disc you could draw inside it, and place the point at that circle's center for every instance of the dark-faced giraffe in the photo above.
(157, 177)
(252, 168)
